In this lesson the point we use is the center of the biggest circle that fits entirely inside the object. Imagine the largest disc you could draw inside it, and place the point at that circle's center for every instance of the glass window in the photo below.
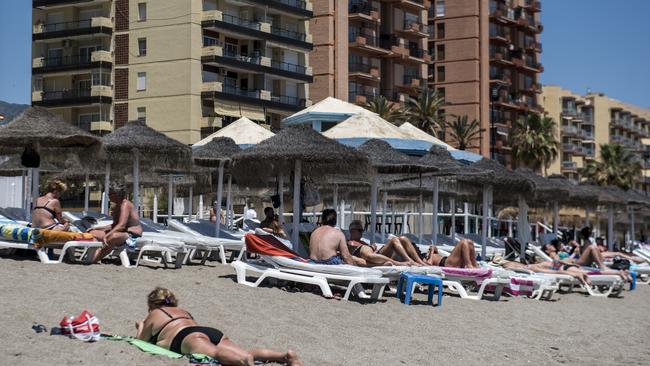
(101, 78)
(142, 81)
(440, 74)
(440, 52)
(142, 12)
(440, 30)
(440, 8)
(142, 46)
(209, 41)
(142, 114)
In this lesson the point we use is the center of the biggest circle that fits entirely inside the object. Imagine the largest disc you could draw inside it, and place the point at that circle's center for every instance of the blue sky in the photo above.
(597, 44)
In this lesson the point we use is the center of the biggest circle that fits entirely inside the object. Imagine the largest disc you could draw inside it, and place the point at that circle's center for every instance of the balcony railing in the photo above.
(288, 67)
(359, 67)
(569, 130)
(65, 94)
(285, 99)
(408, 25)
(372, 41)
(569, 165)
(409, 79)
(569, 112)
(63, 61)
(361, 7)
(286, 33)
(255, 59)
(568, 147)
(293, 3)
(231, 19)
(416, 52)
(57, 27)
(230, 89)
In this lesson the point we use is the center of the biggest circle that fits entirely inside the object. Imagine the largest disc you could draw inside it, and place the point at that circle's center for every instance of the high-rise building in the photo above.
(364, 48)
(486, 63)
(585, 122)
(187, 67)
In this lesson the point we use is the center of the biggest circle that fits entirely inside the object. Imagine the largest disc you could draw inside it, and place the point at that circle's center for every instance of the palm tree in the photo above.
(463, 132)
(533, 141)
(617, 166)
(422, 111)
(385, 109)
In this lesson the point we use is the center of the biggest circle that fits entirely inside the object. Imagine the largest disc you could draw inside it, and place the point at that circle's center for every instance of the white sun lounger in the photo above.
(456, 280)
(206, 243)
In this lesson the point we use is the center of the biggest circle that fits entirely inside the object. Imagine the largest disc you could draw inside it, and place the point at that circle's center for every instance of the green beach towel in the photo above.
(153, 349)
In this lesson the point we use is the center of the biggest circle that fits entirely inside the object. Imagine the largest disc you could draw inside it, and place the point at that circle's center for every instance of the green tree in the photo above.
(384, 108)
(464, 132)
(423, 111)
(533, 141)
(617, 166)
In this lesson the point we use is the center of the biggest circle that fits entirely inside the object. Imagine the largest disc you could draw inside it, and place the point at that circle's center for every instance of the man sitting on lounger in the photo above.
(463, 256)
(125, 227)
(327, 243)
(397, 251)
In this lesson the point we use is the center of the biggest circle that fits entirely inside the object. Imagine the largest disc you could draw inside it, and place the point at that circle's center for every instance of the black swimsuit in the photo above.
(214, 334)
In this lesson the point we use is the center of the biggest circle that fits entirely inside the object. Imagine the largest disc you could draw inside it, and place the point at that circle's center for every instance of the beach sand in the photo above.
(574, 329)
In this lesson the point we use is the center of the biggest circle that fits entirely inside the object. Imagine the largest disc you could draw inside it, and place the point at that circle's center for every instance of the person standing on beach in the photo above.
(327, 244)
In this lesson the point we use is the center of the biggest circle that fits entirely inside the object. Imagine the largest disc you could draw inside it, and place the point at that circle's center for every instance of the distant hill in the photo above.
(10, 110)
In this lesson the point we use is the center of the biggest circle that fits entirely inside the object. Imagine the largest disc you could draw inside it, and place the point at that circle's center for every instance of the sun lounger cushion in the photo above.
(19, 233)
(479, 273)
(269, 245)
(38, 237)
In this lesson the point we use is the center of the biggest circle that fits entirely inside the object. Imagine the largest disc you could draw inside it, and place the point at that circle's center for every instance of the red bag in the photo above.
(84, 327)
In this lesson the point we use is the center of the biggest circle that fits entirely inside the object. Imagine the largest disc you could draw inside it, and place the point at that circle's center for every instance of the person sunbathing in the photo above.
(173, 328)
(602, 248)
(271, 223)
(590, 257)
(462, 256)
(397, 251)
(546, 267)
(327, 243)
(125, 228)
(213, 215)
(47, 214)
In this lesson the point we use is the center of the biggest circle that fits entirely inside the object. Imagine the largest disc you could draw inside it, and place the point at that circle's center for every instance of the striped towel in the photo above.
(20, 233)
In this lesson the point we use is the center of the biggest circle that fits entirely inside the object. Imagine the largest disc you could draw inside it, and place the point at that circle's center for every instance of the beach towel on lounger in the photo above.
(269, 245)
(53, 236)
(21, 233)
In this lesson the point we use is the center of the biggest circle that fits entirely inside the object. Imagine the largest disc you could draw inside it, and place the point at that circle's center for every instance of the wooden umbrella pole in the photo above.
(436, 205)
(373, 208)
(295, 233)
(107, 182)
(86, 193)
(136, 181)
(217, 205)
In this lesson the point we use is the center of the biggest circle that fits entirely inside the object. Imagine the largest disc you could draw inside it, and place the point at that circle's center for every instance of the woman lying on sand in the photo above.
(173, 328)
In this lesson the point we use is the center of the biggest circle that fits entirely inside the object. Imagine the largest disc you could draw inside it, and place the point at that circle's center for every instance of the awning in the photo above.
(234, 109)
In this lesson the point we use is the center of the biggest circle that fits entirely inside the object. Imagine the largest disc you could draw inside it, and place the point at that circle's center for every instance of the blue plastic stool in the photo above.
(407, 280)
(633, 283)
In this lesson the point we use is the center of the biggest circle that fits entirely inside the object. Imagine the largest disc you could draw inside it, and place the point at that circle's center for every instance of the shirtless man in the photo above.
(125, 227)
(394, 252)
(327, 243)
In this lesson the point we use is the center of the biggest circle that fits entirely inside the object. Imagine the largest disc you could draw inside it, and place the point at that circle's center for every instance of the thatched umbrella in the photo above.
(303, 150)
(136, 142)
(38, 132)
(386, 160)
(217, 153)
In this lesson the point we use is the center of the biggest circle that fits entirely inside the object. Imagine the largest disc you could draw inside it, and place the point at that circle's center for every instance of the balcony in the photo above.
(96, 26)
(499, 34)
(366, 42)
(569, 112)
(618, 139)
(251, 29)
(502, 13)
(58, 98)
(363, 10)
(500, 78)
(569, 166)
(395, 45)
(364, 71)
(50, 4)
(420, 54)
(411, 82)
(75, 63)
(360, 96)
(569, 147)
(414, 29)
(533, 6)
(263, 98)
(416, 5)
(286, 102)
(301, 8)
(569, 130)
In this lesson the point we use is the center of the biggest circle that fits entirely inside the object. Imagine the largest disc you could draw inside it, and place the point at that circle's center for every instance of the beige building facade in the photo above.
(187, 67)
(367, 48)
(585, 122)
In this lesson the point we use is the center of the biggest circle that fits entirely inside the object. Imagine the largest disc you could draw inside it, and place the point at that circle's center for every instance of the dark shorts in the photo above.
(330, 261)
(215, 336)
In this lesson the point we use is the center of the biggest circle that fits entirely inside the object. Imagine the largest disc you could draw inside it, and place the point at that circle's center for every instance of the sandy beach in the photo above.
(574, 329)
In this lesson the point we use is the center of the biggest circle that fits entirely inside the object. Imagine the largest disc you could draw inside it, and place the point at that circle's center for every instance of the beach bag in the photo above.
(30, 157)
(620, 263)
(84, 327)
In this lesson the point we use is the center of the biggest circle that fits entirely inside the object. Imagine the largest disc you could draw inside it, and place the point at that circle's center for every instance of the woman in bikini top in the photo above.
(47, 212)
(173, 328)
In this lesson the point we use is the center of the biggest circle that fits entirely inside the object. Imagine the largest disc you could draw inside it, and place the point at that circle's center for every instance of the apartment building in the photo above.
(364, 48)
(587, 121)
(187, 67)
(486, 63)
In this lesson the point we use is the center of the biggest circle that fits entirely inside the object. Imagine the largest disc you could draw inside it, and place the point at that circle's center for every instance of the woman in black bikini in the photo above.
(173, 328)
(47, 212)
(462, 256)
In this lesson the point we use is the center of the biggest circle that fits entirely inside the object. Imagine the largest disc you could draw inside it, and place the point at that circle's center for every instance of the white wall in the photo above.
(11, 192)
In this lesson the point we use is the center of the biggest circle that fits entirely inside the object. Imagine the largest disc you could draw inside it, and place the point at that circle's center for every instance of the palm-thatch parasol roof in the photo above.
(11, 166)
(277, 155)
(220, 149)
(243, 131)
(605, 196)
(578, 195)
(49, 135)
(386, 160)
(441, 158)
(546, 190)
(507, 184)
(153, 147)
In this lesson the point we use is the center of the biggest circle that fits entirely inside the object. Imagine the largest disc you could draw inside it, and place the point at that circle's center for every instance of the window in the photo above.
(440, 74)
(441, 92)
(440, 8)
(209, 41)
(440, 30)
(142, 47)
(142, 12)
(142, 81)
(101, 78)
(142, 114)
(440, 51)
